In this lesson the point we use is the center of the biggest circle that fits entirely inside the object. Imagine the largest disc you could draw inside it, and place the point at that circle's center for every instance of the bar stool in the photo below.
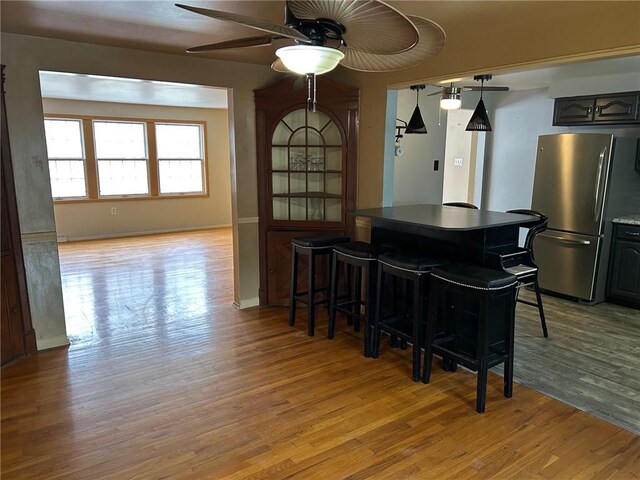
(409, 326)
(313, 247)
(476, 306)
(364, 258)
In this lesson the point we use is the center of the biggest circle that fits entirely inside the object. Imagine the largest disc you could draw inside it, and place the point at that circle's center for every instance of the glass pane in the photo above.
(67, 178)
(280, 183)
(316, 209)
(296, 118)
(280, 208)
(180, 176)
(315, 159)
(281, 134)
(331, 134)
(298, 183)
(299, 137)
(297, 158)
(64, 138)
(334, 158)
(179, 141)
(317, 120)
(279, 158)
(316, 182)
(334, 183)
(120, 140)
(298, 208)
(314, 138)
(333, 210)
(123, 177)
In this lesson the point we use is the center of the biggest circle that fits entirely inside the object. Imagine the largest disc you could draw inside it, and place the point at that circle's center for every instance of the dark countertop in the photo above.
(442, 217)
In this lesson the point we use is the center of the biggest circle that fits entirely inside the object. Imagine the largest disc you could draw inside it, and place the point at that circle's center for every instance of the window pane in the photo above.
(123, 177)
(64, 138)
(179, 141)
(67, 178)
(180, 176)
(115, 140)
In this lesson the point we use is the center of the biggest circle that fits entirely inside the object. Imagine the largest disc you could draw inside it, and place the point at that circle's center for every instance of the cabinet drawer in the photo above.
(628, 232)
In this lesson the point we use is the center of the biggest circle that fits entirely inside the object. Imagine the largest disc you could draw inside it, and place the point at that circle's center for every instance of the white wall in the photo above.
(77, 221)
(458, 181)
(414, 180)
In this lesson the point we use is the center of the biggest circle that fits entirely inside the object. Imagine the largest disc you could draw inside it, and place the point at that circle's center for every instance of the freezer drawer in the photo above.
(567, 262)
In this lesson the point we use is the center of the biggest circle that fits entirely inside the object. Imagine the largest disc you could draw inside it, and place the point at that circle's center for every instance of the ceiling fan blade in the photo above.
(371, 26)
(476, 88)
(240, 43)
(431, 41)
(264, 25)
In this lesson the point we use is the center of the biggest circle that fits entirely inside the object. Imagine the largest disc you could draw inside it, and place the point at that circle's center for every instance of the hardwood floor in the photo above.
(165, 379)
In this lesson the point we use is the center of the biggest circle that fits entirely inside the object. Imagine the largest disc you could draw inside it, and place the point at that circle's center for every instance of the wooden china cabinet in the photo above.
(306, 174)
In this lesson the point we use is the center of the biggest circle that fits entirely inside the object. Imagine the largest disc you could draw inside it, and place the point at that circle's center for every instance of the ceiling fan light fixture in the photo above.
(303, 59)
(450, 99)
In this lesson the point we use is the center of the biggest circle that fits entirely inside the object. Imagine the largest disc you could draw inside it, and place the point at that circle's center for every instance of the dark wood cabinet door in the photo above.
(18, 337)
(625, 273)
(571, 111)
(306, 175)
(623, 108)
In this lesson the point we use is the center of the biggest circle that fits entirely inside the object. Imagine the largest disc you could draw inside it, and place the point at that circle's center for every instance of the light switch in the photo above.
(457, 161)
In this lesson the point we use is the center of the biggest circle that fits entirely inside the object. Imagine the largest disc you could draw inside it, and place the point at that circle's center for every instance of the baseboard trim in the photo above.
(249, 303)
(66, 238)
(52, 342)
(243, 220)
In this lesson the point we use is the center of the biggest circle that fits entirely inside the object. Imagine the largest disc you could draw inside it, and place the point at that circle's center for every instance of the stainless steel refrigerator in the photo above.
(582, 181)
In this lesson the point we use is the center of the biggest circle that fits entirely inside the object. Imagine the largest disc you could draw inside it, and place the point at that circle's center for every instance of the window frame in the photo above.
(153, 173)
(203, 159)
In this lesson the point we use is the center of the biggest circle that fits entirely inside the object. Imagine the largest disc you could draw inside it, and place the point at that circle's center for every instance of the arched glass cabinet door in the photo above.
(307, 169)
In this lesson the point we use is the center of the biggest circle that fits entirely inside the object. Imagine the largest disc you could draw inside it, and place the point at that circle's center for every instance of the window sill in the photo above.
(62, 201)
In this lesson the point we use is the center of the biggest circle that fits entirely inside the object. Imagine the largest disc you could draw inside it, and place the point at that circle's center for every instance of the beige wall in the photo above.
(92, 220)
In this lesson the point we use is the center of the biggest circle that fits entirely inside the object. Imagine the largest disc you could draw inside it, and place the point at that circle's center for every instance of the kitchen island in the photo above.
(458, 234)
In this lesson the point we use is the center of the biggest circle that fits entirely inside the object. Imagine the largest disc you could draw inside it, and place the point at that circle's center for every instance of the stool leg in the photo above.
(482, 355)
(371, 271)
(432, 315)
(311, 270)
(333, 295)
(508, 342)
(418, 298)
(536, 287)
(377, 333)
(355, 308)
(348, 290)
(481, 389)
(294, 286)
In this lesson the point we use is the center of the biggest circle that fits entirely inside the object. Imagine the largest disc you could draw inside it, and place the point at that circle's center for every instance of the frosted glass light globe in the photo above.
(304, 59)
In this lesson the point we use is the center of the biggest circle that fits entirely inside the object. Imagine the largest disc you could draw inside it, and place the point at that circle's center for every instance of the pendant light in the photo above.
(480, 120)
(416, 124)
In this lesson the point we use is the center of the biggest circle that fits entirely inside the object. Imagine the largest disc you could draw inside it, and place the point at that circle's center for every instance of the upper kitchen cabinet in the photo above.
(607, 109)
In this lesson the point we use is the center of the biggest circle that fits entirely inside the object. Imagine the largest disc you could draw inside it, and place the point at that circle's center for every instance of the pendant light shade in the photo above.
(416, 123)
(480, 119)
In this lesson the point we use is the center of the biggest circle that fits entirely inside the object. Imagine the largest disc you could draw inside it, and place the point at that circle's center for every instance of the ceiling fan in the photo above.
(450, 95)
(364, 35)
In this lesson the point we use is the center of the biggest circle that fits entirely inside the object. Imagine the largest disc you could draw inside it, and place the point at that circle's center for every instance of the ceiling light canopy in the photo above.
(303, 59)
(450, 99)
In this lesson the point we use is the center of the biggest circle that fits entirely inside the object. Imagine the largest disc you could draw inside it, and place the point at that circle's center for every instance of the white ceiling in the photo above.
(72, 86)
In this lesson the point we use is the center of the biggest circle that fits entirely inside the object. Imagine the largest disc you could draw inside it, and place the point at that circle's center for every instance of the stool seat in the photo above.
(473, 276)
(360, 250)
(319, 241)
(411, 262)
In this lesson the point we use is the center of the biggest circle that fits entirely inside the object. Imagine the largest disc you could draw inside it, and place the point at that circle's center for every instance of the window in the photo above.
(180, 158)
(94, 158)
(66, 158)
(121, 155)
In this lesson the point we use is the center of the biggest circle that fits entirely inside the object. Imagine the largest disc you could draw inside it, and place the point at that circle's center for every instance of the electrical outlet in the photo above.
(457, 162)
(114, 211)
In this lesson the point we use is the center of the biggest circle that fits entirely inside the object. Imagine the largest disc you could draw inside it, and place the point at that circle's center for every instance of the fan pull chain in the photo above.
(311, 92)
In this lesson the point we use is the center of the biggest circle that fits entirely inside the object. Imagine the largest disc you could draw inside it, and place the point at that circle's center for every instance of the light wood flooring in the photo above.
(165, 379)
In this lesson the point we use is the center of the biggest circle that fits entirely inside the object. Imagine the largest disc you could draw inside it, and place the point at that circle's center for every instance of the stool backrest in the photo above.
(538, 227)
(461, 204)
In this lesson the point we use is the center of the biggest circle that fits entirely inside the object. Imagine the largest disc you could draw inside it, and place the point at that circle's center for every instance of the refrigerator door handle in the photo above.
(565, 240)
(597, 204)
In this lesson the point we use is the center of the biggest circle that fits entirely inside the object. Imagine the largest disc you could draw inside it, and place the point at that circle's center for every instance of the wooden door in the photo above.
(306, 175)
(17, 335)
